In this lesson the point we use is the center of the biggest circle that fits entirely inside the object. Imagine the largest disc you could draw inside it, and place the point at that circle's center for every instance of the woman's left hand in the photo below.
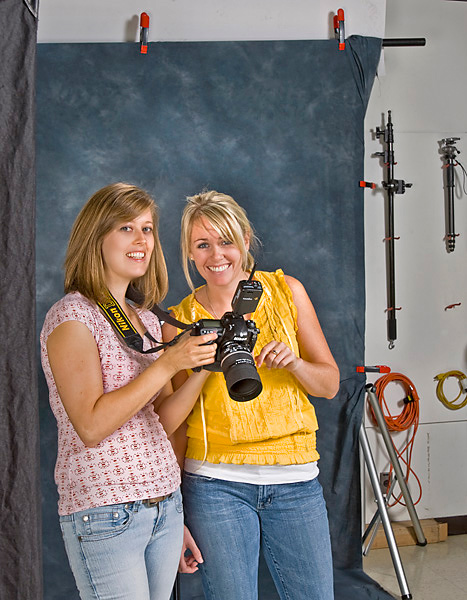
(315, 369)
(277, 355)
(190, 562)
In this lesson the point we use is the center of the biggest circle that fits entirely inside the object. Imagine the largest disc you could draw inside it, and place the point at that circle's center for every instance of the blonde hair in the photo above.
(84, 265)
(227, 217)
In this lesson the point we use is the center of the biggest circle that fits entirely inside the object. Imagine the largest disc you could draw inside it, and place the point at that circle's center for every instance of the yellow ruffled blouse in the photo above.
(278, 426)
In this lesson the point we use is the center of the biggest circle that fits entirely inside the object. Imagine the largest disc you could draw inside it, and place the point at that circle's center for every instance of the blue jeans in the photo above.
(125, 551)
(229, 521)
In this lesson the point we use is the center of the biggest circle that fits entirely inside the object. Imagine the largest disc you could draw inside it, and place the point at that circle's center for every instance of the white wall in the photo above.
(425, 88)
(201, 20)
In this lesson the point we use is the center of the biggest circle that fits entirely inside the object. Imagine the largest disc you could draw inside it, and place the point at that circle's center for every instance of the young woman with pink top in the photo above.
(120, 505)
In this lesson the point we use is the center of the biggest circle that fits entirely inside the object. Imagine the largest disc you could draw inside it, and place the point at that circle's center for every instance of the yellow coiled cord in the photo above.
(462, 380)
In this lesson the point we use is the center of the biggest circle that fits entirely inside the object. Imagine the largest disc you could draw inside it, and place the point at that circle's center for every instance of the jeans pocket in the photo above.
(195, 478)
(103, 522)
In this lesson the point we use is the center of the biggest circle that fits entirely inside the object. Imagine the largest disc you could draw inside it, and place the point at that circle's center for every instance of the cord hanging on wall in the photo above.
(461, 380)
(392, 186)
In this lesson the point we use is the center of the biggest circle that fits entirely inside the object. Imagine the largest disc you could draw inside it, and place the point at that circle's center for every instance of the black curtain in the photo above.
(278, 125)
(20, 543)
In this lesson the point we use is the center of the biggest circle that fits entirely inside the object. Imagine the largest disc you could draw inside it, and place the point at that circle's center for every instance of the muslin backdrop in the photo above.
(20, 526)
(277, 125)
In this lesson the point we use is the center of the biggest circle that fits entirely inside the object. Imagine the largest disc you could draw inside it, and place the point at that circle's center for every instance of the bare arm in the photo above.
(178, 440)
(176, 405)
(168, 334)
(189, 562)
(75, 364)
(316, 368)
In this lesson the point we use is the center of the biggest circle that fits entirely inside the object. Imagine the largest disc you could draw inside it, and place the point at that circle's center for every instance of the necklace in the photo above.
(213, 312)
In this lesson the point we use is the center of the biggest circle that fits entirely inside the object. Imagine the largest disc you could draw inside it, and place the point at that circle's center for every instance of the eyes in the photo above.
(146, 229)
(202, 245)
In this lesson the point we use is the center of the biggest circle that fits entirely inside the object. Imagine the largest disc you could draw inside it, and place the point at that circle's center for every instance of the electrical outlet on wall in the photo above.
(384, 481)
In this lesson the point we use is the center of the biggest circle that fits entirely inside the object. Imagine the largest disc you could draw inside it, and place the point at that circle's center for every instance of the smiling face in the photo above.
(127, 250)
(217, 260)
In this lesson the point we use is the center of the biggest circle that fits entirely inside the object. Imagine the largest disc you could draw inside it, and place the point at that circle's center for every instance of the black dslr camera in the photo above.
(236, 339)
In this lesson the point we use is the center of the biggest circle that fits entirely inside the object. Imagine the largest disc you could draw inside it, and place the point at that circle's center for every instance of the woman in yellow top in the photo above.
(250, 473)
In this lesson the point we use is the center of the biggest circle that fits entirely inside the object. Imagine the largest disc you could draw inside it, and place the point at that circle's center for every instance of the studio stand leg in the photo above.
(371, 391)
(382, 512)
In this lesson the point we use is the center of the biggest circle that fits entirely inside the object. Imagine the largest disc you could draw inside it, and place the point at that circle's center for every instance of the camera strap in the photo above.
(125, 329)
(136, 296)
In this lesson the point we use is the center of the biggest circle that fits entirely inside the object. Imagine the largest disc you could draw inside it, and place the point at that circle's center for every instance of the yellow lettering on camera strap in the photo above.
(122, 325)
(125, 329)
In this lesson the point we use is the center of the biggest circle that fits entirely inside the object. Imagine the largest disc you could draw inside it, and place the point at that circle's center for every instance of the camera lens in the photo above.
(241, 376)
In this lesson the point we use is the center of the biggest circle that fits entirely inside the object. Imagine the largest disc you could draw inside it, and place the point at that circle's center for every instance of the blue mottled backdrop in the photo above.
(277, 125)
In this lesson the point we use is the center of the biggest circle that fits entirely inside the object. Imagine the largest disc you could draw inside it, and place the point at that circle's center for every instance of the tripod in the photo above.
(382, 512)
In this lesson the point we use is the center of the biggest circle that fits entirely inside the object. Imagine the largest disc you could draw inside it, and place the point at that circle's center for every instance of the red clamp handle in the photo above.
(374, 369)
(339, 28)
(367, 184)
(143, 33)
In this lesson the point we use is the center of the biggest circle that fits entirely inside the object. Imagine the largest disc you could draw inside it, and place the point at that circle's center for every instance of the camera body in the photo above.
(233, 334)
(236, 338)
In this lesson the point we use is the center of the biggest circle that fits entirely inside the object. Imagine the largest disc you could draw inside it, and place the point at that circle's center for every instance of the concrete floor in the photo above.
(433, 572)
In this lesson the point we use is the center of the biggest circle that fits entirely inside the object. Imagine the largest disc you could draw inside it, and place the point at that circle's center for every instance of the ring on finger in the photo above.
(274, 351)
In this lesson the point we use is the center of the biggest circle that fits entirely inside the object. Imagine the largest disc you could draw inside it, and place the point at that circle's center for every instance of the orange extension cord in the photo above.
(409, 417)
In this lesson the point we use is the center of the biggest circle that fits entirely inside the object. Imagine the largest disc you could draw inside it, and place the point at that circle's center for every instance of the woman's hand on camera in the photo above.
(277, 355)
(315, 368)
(192, 351)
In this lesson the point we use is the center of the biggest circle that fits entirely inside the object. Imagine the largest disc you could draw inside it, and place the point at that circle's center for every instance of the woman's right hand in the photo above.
(192, 351)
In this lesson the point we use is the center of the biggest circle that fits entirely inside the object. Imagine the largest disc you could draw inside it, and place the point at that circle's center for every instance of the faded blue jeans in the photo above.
(125, 551)
(229, 521)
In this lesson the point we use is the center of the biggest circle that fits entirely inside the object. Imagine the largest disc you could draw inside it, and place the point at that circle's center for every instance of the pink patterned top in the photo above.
(137, 460)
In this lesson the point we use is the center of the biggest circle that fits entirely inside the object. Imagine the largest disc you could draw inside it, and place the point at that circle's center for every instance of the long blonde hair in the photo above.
(84, 265)
(227, 217)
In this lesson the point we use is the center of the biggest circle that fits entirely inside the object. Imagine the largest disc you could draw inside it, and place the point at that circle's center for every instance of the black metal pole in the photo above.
(450, 233)
(392, 42)
(392, 186)
(391, 277)
(390, 249)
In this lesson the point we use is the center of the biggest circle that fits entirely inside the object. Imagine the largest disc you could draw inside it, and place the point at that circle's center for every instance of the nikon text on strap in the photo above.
(125, 329)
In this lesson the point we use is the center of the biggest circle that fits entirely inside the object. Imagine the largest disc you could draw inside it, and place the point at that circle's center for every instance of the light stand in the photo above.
(450, 152)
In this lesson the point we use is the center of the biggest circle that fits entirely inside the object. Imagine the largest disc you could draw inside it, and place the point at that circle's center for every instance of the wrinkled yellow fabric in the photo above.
(276, 427)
